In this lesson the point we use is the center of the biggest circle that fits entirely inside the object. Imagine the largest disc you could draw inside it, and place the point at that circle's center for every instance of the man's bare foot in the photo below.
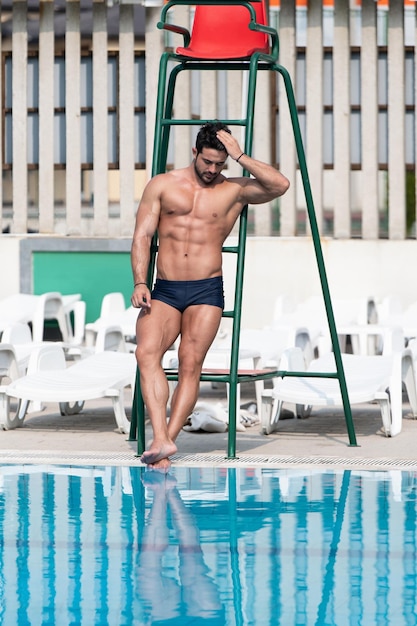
(158, 452)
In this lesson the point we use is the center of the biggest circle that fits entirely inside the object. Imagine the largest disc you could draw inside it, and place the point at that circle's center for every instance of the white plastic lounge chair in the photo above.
(110, 338)
(112, 303)
(49, 306)
(8, 362)
(218, 361)
(9, 371)
(311, 313)
(258, 349)
(79, 310)
(271, 342)
(19, 307)
(113, 313)
(101, 375)
(125, 320)
(368, 379)
(20, 337)
(391, 312)
(36, 309)
(374, 339)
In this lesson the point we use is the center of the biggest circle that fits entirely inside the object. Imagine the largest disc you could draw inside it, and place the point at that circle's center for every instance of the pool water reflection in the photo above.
(206, 546)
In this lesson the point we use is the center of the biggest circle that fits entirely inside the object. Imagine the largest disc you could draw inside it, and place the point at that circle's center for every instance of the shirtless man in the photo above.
(193, 209)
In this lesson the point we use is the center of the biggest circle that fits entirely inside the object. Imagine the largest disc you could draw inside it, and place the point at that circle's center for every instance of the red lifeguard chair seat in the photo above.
(222, 32)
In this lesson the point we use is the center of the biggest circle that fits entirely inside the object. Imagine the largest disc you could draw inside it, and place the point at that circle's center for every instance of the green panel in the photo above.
(92, 274)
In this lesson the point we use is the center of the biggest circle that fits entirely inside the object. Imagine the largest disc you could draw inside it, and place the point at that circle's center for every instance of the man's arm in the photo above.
(267, 182)
(147, 219)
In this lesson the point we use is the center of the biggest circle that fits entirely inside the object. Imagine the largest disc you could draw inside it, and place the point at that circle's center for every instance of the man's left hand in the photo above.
(230, 143)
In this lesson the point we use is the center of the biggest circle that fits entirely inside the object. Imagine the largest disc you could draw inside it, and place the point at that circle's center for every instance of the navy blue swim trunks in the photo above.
(184, 293)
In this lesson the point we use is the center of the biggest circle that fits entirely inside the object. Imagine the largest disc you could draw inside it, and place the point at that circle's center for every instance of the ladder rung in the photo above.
(284, 373)
(234, 249)
(166, 121)
(225, 375)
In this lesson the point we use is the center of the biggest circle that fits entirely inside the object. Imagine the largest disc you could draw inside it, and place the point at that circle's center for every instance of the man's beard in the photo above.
(200, 175)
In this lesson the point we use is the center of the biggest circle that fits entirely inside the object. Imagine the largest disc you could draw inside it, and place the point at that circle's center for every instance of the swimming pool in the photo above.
(208, 546)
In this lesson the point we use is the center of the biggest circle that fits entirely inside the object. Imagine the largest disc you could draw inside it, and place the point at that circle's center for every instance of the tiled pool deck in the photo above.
(90, 438)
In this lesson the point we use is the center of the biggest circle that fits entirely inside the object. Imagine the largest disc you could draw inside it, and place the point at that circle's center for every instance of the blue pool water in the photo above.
(206, 547)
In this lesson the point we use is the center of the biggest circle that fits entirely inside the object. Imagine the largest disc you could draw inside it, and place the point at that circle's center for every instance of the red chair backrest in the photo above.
(221, 32)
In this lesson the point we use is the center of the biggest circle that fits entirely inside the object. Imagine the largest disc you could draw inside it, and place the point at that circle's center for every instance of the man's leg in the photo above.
(156, 332)
(198, 329)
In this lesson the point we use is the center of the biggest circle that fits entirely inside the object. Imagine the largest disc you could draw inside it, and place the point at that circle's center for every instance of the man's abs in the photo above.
(189, 266)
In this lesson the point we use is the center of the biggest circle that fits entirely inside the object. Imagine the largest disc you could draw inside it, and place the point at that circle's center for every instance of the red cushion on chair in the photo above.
(221, 32)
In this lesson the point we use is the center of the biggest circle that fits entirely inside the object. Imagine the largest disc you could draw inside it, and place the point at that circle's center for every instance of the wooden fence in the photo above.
(77, 117)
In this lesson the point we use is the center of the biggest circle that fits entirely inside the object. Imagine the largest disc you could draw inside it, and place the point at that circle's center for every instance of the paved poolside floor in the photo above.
(320, 439)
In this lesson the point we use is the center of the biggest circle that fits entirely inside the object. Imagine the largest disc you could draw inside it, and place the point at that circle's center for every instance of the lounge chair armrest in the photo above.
(112, 393)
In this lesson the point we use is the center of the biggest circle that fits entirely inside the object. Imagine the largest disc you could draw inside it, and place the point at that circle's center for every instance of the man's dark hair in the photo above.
(207, 138)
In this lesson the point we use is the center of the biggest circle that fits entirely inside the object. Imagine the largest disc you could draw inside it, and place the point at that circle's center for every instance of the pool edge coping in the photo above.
(62, 457)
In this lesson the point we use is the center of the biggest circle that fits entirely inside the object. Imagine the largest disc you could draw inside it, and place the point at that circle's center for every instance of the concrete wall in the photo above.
(354, 269)
(9, 265)
(274, 267)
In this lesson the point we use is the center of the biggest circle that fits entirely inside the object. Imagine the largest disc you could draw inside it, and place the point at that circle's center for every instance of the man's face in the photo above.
(208, 164)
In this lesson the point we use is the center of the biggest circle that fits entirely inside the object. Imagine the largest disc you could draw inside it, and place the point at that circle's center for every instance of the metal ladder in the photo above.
(163, 124)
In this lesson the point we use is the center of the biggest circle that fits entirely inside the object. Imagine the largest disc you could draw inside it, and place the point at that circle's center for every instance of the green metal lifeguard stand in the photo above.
(232, 35)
